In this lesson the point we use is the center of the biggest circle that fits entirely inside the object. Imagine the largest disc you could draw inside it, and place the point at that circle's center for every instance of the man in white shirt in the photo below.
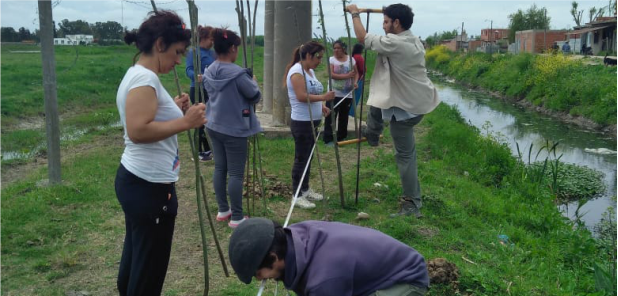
(400, 92)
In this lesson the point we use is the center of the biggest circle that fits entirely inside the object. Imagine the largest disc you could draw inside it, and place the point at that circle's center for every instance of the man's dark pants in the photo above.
(402, 133)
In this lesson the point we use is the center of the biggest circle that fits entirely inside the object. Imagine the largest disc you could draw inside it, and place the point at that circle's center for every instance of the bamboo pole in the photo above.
(197, 188)
(193, 15)
(361, 120)
(356, 127)
(334, 124)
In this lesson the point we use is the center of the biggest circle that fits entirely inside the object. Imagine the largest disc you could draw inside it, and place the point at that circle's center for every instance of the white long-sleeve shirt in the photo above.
(400, 77)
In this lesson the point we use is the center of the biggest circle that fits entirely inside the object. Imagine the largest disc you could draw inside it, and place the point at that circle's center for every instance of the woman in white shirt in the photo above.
(145, 180)
(344, 80)
(301, 90)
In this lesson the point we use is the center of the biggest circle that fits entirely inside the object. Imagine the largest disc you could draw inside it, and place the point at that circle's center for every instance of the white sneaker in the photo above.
(312, 195)
(303, 203)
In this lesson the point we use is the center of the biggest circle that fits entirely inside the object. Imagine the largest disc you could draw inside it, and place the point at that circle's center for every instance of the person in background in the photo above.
(327, 259)
(357, 54)
(149, 167)
(566, 48)
(555, 48)
(303, 85)
(207, 56)
(233, 92)
(400, 93)
(344, 80)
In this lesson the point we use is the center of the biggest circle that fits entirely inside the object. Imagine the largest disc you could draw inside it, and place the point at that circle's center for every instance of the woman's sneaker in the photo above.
(205, 156)
(224, 216)
(312, 195)
(235, 223)
(303, 203)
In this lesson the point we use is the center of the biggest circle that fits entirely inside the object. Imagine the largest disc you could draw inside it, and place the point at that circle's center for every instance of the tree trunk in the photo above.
(287, 37)
(269, 31)
(52, 123)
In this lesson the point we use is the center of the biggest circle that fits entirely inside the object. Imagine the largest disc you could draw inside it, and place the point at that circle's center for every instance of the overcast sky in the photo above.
(430, 16)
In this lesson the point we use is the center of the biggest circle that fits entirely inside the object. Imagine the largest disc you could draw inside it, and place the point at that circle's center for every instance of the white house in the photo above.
(74, 40)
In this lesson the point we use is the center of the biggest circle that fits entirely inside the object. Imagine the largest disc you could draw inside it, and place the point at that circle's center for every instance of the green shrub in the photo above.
(574, 182)
(555, 82)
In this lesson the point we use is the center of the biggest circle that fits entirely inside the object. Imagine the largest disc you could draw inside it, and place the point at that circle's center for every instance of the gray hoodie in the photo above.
(232, 93)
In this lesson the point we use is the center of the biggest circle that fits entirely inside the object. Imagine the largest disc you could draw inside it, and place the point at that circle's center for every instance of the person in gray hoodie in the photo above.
(233, 92)
(316, 258)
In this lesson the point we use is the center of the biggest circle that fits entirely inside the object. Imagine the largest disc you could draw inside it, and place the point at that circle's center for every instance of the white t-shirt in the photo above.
(300, 110)
(156, 162)
(342, 87)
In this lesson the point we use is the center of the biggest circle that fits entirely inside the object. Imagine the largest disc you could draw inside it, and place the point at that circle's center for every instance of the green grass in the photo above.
(68, 237)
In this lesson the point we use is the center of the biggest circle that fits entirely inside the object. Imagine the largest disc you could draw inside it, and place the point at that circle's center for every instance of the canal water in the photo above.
(517, 125)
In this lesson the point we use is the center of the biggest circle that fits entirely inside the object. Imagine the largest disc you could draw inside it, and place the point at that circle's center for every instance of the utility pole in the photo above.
(491, 33)
(461, 35)
(544, 32)
(52, 122)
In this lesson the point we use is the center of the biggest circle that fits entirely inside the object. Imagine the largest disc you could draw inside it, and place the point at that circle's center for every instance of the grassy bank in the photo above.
(555, 82)
(68, 238)
(59, 240)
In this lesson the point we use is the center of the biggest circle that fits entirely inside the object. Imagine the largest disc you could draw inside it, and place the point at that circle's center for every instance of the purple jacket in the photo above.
(331, 258)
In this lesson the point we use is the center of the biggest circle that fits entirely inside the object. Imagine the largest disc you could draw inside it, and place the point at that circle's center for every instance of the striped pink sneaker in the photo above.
(235, 223)
(224, 216)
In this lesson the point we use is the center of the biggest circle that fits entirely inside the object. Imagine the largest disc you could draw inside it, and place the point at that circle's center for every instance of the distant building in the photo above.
(599, 35)
(460, 42)
(536, 41)
(491, 39)
(474, 44)
(74, 40)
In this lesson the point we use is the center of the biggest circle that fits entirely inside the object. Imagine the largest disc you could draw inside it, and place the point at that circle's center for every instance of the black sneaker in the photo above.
(372, 140)
(408, 208)
(205, 156)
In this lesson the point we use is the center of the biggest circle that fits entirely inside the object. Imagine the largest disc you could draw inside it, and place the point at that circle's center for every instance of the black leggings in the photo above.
(341, 117)
(150, 212)
(203, 143)
(303, 142)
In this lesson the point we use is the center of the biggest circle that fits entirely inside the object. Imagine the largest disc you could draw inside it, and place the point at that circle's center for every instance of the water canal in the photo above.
(516, 125)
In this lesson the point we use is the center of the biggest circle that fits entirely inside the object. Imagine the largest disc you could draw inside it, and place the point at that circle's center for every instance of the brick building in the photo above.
(537, 41)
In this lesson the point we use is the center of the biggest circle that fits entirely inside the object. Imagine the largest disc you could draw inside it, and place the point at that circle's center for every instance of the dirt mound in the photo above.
(443, 272)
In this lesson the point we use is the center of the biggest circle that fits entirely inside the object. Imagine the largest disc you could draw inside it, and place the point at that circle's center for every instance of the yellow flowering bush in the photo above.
(546, 68)
(437, 55)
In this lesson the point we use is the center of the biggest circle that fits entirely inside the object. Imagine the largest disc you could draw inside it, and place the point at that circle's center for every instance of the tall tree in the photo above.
(437, 38)
(593, 13)
(74, 27)
(24, 34)
(533, 18)
(577, 14)
(107, 31)
(8, 34)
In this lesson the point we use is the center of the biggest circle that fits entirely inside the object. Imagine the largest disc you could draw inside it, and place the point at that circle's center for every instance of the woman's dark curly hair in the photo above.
(163, 23)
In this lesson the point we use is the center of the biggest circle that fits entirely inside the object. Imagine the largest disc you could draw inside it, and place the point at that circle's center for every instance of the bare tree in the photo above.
(577, 14)
(593, 13)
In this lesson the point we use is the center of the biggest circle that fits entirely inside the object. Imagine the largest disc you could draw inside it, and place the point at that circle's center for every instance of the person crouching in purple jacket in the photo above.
(327, 258)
